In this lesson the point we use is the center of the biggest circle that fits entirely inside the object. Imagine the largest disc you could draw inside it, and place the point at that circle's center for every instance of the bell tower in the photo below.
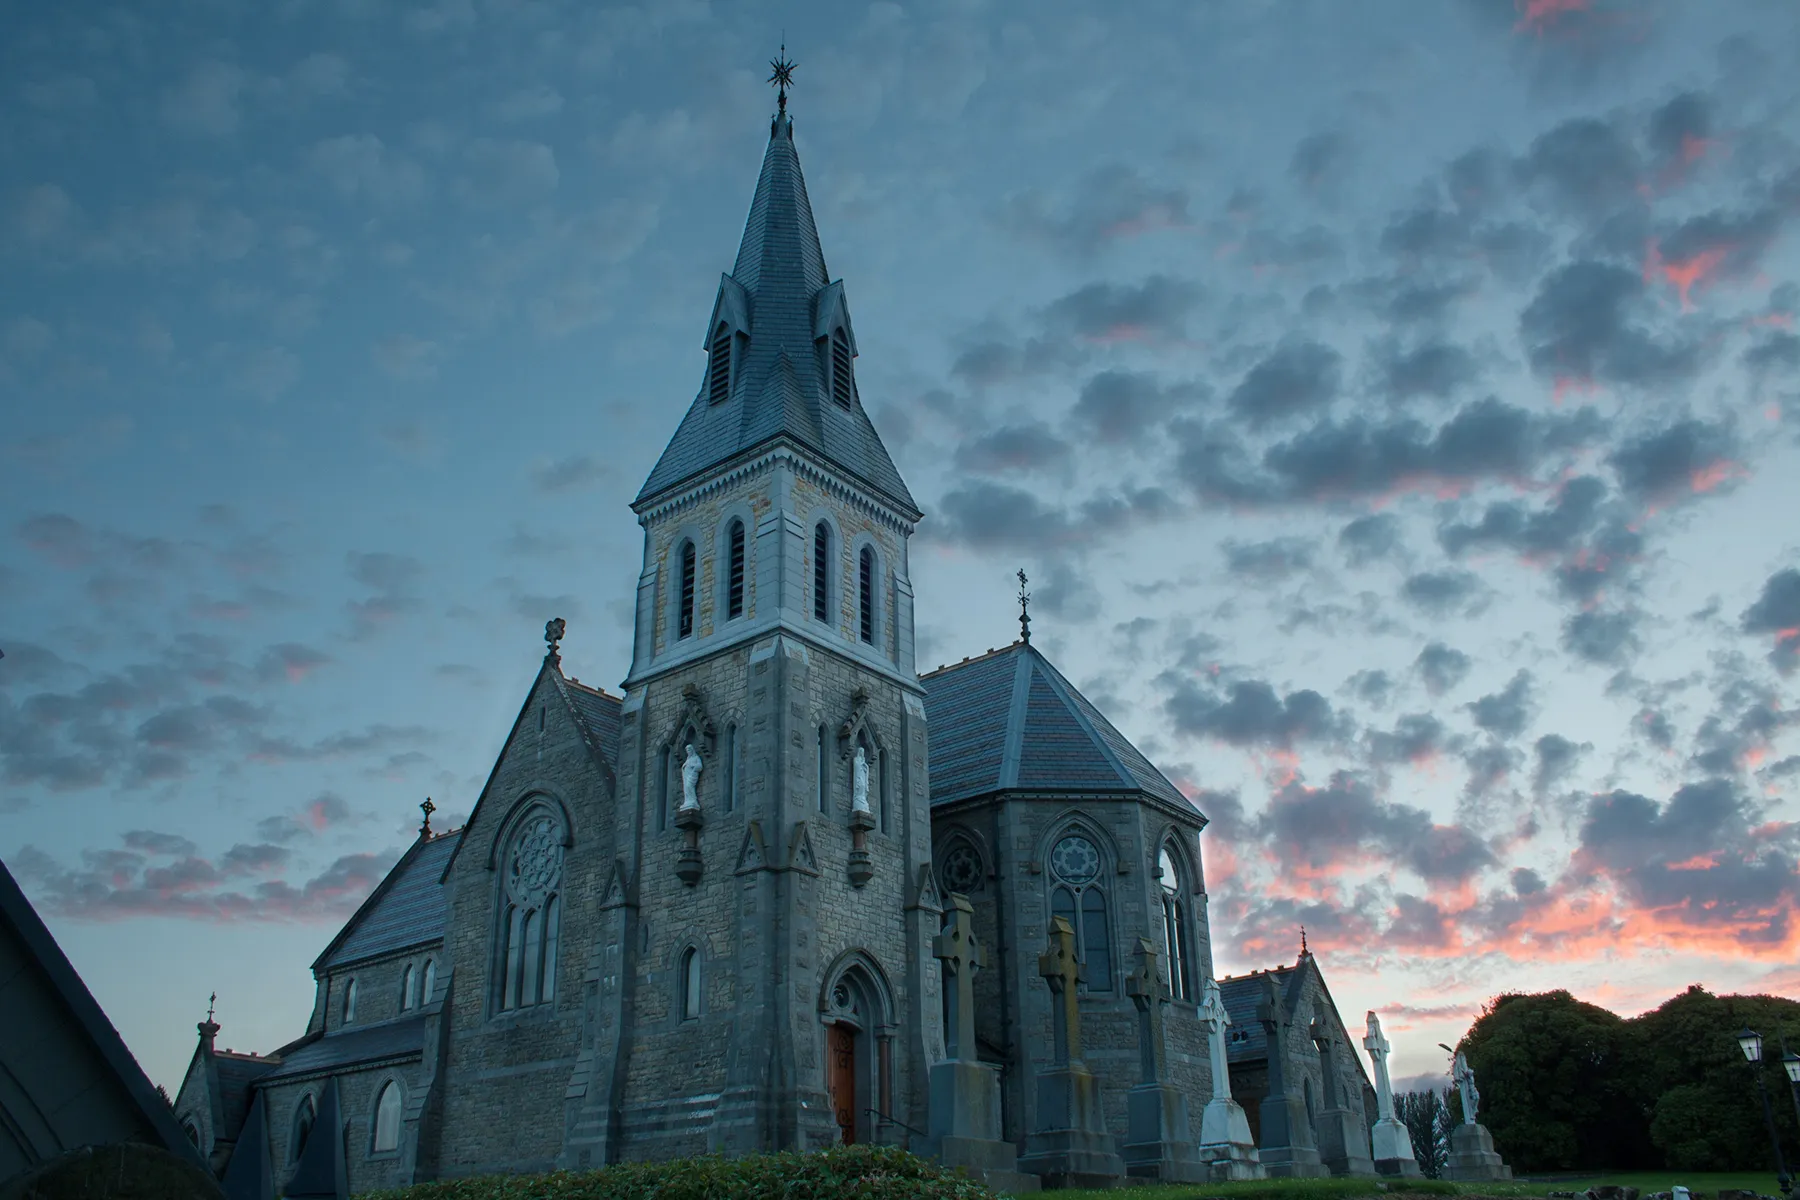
(773, 918)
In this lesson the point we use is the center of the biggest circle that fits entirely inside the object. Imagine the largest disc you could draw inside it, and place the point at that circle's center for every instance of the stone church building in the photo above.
(699, 915)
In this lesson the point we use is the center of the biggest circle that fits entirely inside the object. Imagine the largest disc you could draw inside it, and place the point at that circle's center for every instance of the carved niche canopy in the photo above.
(694, 716)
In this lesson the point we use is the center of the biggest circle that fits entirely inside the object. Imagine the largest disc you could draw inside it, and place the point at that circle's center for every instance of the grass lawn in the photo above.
(1701, 1184)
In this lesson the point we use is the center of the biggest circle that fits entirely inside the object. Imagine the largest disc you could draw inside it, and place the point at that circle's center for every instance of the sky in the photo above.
(1396, 408)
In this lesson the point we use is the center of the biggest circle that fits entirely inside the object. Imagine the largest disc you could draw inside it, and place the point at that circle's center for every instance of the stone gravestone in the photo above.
(1287, 1140)
(1225, 1140)
(1343, 1138)
(1070, 1146)
(1473, 1158)
(965, 1092)
(1158, 1143)
(1392, 1144)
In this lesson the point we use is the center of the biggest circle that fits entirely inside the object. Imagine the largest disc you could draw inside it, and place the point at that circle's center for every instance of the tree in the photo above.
(1425, 1116)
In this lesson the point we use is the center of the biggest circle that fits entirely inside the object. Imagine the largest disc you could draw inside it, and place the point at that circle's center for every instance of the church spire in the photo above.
(780, 344)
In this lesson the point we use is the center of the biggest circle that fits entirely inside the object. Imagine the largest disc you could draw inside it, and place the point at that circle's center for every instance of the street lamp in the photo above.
(1790, 1062)
(1750, 1042)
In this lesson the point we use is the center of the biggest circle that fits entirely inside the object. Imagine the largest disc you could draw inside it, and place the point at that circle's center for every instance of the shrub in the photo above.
(851, 1172)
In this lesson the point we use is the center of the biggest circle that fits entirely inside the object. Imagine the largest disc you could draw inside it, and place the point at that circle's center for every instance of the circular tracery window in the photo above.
(536, 860)
(962, 869)
(1075, 860)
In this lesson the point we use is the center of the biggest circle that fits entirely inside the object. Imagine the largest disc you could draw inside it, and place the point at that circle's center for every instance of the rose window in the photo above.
(1075, 860)
(536, 861)
(962, 869)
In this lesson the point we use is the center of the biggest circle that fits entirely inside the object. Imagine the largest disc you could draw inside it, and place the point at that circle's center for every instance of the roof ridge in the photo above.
(588, 687)
(1062, 687)
(974, 658)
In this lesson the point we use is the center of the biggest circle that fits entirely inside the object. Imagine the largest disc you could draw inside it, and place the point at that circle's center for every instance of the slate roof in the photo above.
(1008, 720)
(600, 713)
(237, 1073)
(1241, 994)
(348, 1047)
(779, 388)
(406, 908)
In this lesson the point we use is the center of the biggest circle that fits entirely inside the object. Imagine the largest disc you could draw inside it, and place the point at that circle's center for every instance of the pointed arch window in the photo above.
(304, 1118)
(865, 595)
(1175, 924)
(729, 784)
(822, 572)
(881, 803)
(530, 919)
(1080, 899)
(430, 981)
(685, 620)
(387, 1117)
(350, 1000)
(688, 979)
(734, 588)
(718, 375)
(840, 367)
(408, 995)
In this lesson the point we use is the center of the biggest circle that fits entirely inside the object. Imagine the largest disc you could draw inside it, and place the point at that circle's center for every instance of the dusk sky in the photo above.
(1396, 406)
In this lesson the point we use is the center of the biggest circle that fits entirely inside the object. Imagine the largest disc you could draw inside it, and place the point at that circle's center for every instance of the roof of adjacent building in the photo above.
(1010, 721)
(779, 388)
(599, 714)
(1248, 1041)
(349, 1047)
(405, 909)
(237, 1073)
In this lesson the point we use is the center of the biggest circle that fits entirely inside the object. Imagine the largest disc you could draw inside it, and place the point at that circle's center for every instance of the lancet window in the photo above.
(531, 912)
(688, 979)
(822, 572)
(1078, 896)
(865, 595)
(387, 1118)
(728, 784)
(685, 620)
(1175, 922)
(304, 1117)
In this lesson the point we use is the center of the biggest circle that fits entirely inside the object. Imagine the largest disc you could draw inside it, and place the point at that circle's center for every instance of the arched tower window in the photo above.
(387, 1117)
(881, 803)
(531, 912)
(718, 375)
(734, 588)
(728, 785)
(350, 1001)
(688, 979)
(408, 996)
(304, 1116)
(824, 767)
(685, 620)
(865, 595)
(1079, 898)
(822, 572)
(1175, 923)
(840, 367)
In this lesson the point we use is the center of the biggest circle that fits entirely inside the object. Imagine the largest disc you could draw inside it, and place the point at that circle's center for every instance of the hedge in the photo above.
(848, 1172)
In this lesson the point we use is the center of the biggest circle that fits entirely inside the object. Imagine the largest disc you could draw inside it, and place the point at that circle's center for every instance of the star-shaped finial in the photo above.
(783, 77)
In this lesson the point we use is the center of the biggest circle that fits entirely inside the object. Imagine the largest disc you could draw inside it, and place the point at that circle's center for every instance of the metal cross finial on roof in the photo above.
(1303, 950)
(1024, 609)
(427, 808)
(783, 78)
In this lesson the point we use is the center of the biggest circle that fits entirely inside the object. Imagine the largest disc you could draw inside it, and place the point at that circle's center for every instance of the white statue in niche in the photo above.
(690, 778)
(859, 781)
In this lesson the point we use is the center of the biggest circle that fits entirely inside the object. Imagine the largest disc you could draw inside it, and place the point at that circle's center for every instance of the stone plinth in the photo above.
(1071, 1147)
(1393, 1150)
(1225, 1142)
(965, 1126)
(1473, 1158)
(1158, 1144)
(1344, 1143)
(1286, 1132)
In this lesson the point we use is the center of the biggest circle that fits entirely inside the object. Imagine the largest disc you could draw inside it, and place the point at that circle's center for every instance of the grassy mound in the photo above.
(850, 1172)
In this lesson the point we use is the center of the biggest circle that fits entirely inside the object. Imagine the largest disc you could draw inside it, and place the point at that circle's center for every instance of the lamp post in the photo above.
(1750, 1042)
(1790, 1062)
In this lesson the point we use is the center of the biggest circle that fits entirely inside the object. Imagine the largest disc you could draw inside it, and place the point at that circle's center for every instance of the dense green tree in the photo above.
(1427, 1121)
(1553, 1077)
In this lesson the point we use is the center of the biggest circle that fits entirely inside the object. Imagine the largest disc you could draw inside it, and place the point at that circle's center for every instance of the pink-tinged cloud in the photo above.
(1701, 267)
(1537, 17)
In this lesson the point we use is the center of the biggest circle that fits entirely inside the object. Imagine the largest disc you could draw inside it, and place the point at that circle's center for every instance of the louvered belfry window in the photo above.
(687, 590)
(865, 599)
(840, 368)
(734, 598)
(822, 572)
(718, 382)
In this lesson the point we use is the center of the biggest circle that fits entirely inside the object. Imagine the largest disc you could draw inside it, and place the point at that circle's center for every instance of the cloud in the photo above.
(1417, 738)
(1322, 831)
(1557, 757)
(1155, 310)
(1251, 713)
(1684, 459)
(1505, 713)
(1373, 538)
(1586, 326)
(528, 104)
(1444, 593)
(1777, 612)
(290, 661)
(1027, 447)
(1606, 638)
(1125, 407)
(1111, 202)
(1268, 561)
(404, 356)
(1584, 164)
(567, 474)
(1441, 667)
(392, 580)
(206, 101)
(1295, 378)
(1435, 370)
(504, 172)
(360, 165)
(993, 516)
(1320, 160)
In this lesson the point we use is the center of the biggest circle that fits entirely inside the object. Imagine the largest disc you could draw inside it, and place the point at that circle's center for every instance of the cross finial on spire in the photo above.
(210, 1002)
(427, 808)
(1024, 609)
(783, 78)
(553, 636)
(1303, 950)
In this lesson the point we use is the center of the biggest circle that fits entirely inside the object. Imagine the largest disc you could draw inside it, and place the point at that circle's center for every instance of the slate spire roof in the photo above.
(1009, 721)
(778, 300)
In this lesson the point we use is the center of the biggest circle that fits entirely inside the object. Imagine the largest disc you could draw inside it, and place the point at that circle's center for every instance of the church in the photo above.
(709, 914)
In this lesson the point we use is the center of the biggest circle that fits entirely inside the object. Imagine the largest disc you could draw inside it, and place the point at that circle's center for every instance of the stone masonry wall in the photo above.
(357, 1092)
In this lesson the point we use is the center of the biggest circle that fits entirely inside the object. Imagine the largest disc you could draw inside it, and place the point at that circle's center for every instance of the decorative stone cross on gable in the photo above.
(1150, 994)
(962, 956)
(1062, 970)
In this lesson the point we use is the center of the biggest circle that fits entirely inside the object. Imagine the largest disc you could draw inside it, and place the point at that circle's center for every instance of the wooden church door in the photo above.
(840, 1057)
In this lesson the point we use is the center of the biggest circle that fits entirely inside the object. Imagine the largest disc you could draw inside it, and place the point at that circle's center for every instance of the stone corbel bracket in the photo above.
(688, 866)
(862, 866)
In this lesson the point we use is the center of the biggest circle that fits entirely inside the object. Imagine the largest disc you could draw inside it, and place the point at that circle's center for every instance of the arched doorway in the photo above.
(856, 1011)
